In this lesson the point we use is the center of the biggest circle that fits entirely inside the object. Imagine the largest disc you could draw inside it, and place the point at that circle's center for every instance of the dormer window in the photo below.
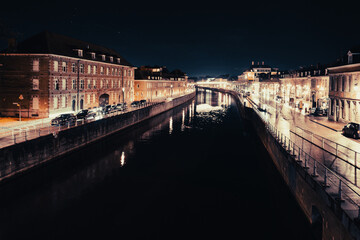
(118, 60)
(92, 55)
(111, 59)
(80, 52)
(103, 57)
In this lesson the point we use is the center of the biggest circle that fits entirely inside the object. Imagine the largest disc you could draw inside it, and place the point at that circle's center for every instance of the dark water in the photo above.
(181, 175)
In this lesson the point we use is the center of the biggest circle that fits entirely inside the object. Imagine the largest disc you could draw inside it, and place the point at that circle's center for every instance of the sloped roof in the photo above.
(52, 43)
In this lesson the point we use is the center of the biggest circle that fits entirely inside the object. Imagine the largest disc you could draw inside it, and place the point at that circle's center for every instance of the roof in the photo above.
(52, 43)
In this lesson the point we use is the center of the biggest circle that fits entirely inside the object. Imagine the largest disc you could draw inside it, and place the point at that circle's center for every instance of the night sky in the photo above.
(216, 37)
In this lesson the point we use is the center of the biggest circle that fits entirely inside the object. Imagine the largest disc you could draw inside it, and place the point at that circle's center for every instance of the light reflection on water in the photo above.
(127, 155)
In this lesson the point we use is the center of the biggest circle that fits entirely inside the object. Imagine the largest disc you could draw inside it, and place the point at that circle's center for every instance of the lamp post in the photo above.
(17, 104)
(123, 90)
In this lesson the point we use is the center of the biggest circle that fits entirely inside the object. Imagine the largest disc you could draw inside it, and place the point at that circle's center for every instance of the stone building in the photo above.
(344, 91)
(157, 83)
(49, 74)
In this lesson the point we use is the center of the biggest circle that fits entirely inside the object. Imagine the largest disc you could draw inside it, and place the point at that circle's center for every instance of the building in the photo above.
(344, 89)
(308, 84)
(157, 83)
(259, 72)
(50, 74)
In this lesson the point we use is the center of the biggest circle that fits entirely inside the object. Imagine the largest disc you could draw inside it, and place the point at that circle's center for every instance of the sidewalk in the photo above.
(324, 121)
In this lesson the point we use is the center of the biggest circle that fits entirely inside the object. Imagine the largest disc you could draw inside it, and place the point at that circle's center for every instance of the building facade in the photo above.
(157, 83)
(344, 93)
(50, 74)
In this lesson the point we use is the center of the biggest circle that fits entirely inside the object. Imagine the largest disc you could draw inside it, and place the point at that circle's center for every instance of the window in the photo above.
(94, 83)
(101, 70)
(80, 52)
(73, 84)
(111, 59)
(138, 86)
(36, 67)
(103, 57)
(94, 98)
(81, 83)
(89, 84)
(73, 67)
(343, 83)
(118, 60)
(94, 69)
(56, 66)
(55, 100)
(35, 102)
(63, 101)
(63, 84)
(81, 68)
(56, 84)
(93, 56)
(107, 71)
(89, 69)
(101, 83)
(88, 99)
(350, 82)
(35, 84)
(64, 66)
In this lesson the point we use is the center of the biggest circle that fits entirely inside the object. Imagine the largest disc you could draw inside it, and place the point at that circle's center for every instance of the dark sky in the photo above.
(215, 37)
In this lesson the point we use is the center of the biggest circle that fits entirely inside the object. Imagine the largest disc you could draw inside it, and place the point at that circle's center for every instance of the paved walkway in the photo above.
(324, 121)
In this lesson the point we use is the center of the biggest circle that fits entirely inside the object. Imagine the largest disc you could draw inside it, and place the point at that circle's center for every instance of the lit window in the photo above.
(56, 66)
(63, 101)
(64, 66)
(103, 57)
(94, 69)
(118, 60)
(73, 67)
(89, 69)
(89, 83)
(81, 68)
(93, 56)
(55, 99)
(35, 102)
(63, 84)
(81, 83)
(73, 84)
(111, 59)
(36, 67)
(94, 83)
(35, 84)
(80, 52)
(101, 70)
(107, 71)
(56, 84)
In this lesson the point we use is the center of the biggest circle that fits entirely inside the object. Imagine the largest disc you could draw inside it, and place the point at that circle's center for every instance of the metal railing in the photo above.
(339, 188)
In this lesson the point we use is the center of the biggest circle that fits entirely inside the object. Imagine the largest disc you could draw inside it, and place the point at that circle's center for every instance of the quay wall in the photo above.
(325, 214)
(21, 157)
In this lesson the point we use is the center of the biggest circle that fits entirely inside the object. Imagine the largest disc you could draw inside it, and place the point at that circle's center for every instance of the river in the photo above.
(195, 172)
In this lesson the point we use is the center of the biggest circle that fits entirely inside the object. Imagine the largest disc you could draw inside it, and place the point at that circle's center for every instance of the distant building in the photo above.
(55, 73)
(157, 83)
(344, 92)
(258, 72)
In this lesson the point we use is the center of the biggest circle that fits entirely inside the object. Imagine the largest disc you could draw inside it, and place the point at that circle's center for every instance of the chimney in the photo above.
(12, 44)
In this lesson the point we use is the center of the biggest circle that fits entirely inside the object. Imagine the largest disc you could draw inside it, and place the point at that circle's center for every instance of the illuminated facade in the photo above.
(56, 74)
(344, 89)
(157, 83)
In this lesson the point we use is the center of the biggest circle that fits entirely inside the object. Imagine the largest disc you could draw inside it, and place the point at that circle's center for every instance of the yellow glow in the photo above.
(122, 159)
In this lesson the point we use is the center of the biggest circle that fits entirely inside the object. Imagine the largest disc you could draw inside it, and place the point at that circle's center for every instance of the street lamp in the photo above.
(123, 90)
(17, 104)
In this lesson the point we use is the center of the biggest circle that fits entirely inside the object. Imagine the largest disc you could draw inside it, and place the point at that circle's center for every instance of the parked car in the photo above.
(135, 103)
(64, 119)
(107, 109)
(142, 102)
(91, 115)
(82, 114)
(318, 111)
(121, 106)
(351, 129)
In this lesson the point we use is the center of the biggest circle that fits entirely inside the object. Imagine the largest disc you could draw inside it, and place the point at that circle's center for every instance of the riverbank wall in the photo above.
(328, 217)
(22, 157)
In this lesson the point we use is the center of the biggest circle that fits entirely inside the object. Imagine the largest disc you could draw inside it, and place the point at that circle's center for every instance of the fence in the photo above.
(336, 186)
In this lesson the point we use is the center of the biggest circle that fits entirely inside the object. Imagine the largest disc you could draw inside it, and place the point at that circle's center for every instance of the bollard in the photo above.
(314, 170)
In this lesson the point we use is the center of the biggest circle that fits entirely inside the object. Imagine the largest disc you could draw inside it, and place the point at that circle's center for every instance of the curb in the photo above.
(324, 125)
